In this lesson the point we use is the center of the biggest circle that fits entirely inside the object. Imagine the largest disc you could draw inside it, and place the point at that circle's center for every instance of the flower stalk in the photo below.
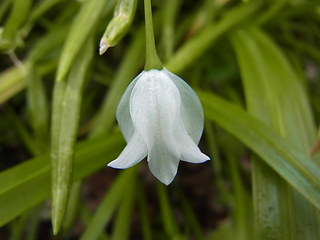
(152, 59)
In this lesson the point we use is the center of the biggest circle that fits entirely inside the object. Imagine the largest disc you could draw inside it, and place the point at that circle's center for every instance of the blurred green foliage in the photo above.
(256, 68)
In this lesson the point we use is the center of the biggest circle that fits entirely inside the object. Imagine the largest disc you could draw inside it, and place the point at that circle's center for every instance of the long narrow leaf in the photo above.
(19, 12)
(121, 230)
(196, 46)
(84, 22)
(29, 183)
(288, 161)
(108, 205)
(64, 132)
(37, 108)
(266, 74)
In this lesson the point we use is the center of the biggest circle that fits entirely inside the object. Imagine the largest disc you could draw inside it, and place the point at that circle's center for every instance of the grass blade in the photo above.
(121, 230)
(65, 122)
(37, 105)
(108, 205)
(29, 183)
(288, 113)
(12, 80)
(83, 24)
(145, 219)
(169, 223)
(73, 206)
(196, 46)
(289, 162)
(19, 12)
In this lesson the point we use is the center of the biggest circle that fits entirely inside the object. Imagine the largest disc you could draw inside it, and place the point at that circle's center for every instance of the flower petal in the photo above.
(162, 163)
(123, 111)
(154, 108)
(191, 109)
(190, 152)
(134, 152)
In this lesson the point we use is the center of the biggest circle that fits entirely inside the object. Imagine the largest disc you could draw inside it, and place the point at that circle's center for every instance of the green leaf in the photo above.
(73, 207)
(109, 203)
(84, 22)
(4, 6)
(121, 230)
(29, 183)
(191, 217)
(143, 213)
(276, 96)
(9, 37)
(65, 119)
(288, 161)
(168, 16)
(86, 217)
(12, 80)
(196, 46)
(223, 231)
(40, 9)
(169, 223)
(37, 105)
(48, 44)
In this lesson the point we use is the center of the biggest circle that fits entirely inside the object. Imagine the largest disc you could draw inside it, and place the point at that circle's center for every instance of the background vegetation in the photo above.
(255, 66)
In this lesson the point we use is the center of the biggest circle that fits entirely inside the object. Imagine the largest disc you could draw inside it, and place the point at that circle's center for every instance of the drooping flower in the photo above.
(160, 117)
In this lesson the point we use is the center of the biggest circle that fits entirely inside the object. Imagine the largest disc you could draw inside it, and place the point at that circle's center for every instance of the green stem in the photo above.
(152, 59)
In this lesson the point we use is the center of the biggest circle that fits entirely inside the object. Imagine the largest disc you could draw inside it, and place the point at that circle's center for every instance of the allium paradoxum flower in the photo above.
(160, 117)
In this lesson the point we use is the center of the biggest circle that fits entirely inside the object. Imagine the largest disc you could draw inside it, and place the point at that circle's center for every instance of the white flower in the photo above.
(160, 116)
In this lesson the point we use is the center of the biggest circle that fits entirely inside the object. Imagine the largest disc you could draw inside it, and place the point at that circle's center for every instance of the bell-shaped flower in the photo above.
(160, 117)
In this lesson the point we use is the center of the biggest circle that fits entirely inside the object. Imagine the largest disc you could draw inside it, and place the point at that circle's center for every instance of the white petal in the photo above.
(162, 163)
(154, 108)
(191, 109)
(190, 152)
(123, 111)
(134, 152)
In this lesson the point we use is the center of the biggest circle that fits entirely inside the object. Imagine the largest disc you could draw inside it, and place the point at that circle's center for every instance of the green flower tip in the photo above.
(103, 47)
